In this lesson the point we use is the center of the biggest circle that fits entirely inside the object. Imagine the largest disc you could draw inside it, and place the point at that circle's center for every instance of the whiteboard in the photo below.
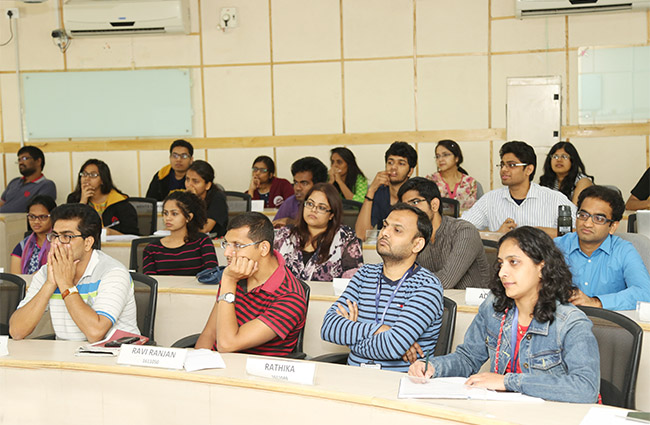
(107, 104)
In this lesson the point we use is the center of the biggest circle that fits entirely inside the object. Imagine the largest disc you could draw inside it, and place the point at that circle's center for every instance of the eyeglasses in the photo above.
(510, 165)
(180, 155)
(64, 239)
(563, 156)
(23, 158)
(322, 209)
(596, 218)
(235, 246)
(91, 175)
(444, 155)
(32, 217)
(260, 170)
(415, 201)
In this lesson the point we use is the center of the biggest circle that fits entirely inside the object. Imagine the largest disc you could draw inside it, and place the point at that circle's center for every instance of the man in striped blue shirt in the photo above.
(390, 313)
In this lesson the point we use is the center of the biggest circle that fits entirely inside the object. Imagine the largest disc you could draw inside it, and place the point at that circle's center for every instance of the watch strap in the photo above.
(71, 290)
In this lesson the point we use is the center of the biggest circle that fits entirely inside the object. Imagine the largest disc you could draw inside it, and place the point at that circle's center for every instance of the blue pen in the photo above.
(426, 362)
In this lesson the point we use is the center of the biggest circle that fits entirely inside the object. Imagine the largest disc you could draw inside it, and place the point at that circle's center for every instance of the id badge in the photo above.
(371, 365)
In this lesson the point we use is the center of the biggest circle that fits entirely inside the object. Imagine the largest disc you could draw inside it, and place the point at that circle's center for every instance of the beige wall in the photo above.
(359, 73)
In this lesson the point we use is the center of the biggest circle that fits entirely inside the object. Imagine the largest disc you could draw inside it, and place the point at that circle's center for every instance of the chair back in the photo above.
(491, 250)
(147, 209)
(614, 188)
(450, 207)
(145, 289)
(641, 244)
(479, 190)
(447, 328)
(631, 223)
(238, 202)
(137, 247)
(297, 350)
(350, 212)
(619, 343)
(12, 291)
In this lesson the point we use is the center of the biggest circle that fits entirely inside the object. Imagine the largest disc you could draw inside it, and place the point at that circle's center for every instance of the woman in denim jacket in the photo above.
(556, 354)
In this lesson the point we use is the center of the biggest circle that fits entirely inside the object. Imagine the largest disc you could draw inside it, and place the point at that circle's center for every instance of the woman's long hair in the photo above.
(189, 203)
(353, 169)
(555, 283)
(104, 175)
(453, 147)
(577, 167)
(324, 240)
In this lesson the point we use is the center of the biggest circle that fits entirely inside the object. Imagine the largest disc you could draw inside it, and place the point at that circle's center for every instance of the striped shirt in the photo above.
(539, 209)
(279, 303)
(105, 286)
(456, 256)
(186, 260)
(414, 315)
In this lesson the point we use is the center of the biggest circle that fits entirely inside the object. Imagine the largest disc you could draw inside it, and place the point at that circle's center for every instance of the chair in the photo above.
(238, 202)
(443, 346)
(147, 209)
(479, 190)
(12, 291)
(297, 353)
(490, 248)
(350, 212)
(619, 343)
(145, 289)
(450, 207)
(614, 188)
(641, 244)
(137, 248)
(631, 223)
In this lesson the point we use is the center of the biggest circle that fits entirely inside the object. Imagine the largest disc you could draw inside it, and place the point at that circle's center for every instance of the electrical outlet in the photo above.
(229, 17)
(14, 13)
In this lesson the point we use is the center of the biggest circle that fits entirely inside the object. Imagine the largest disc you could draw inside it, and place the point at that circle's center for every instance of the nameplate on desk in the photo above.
(297, 372)
(145, 355)
(4, 345)
(476, 296)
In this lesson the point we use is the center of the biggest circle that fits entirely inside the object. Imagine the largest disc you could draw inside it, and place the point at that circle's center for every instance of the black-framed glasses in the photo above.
(33, 217)
(91, 175)
(260, 170)
(180, 155)
(510, 165)
(563, 156)
(225, 244)
(322, 209)
(416, 201)
(64, 238)
(596, 218)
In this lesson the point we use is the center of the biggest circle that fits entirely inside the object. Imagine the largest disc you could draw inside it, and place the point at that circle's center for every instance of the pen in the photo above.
(113, 224)
(426, 362)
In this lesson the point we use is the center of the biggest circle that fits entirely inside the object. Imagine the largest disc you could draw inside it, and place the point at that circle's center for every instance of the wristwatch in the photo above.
(228, 297)
(71, 290)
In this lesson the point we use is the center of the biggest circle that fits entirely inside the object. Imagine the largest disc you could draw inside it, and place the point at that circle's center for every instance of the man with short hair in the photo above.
(172, 176)
(21, 190)
(390, 313)
(607, 271)
(400, 159)
(261, 307)
(87, 292)
(306, 172)
(455, 253)
(521, 202)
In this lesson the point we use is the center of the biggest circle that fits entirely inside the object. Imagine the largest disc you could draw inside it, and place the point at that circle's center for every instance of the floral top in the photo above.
(345, 256)
(464, 192)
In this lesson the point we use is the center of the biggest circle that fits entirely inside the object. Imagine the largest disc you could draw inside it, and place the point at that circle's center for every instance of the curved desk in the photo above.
(43, 382)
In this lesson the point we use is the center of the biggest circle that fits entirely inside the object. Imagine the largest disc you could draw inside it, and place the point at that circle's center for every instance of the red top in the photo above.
(521, 331)
(280, 190)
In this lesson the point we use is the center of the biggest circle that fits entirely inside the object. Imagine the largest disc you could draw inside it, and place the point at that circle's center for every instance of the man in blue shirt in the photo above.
(607, 270)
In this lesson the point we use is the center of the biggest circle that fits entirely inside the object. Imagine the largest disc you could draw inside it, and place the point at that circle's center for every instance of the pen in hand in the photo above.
(426, 363)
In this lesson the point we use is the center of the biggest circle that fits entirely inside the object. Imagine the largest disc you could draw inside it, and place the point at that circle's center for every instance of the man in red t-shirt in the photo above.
(261, 307)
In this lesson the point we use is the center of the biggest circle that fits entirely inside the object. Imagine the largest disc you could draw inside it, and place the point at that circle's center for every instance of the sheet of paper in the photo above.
(121, 238)
(203, 359)
(4, 345)
(454, 388)
(601, 415)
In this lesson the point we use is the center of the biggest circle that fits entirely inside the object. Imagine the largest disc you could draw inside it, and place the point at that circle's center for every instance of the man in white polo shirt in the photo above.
(87, 292)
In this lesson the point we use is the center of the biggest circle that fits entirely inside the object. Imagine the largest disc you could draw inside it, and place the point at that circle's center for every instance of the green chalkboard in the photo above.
(107, 104)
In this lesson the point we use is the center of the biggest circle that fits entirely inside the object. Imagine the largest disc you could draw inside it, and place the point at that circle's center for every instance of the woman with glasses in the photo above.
(565, 172)
(186, 251)
(537, 343)
(452, 179)
(265, 186)
(346, 176)
(199, 180)
(95, 187)
(31, 253)
(319, 247)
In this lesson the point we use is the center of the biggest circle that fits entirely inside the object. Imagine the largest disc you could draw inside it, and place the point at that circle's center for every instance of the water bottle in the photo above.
(564, 220)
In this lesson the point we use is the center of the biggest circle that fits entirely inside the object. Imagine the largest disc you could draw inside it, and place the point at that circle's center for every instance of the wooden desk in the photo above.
(43, 382)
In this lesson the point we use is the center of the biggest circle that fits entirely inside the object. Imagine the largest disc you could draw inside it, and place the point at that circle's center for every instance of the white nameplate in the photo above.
(4, 345)
(475, 296)
(283, 370)
(146, 355)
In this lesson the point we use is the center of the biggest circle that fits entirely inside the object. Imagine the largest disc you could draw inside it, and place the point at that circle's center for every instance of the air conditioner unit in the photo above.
(112, 17)
(537, 8)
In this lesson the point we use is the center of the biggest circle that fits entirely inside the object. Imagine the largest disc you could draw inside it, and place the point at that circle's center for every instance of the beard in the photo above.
(26, 171)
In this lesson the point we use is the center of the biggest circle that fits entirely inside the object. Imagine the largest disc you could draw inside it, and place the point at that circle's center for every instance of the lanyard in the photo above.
(513, 342)
(408, 273)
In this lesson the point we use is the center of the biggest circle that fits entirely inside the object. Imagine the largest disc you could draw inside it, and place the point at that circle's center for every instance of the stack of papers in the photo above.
(411, 387)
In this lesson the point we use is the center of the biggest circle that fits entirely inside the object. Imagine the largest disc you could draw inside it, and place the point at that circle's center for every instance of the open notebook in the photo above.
(410, 387)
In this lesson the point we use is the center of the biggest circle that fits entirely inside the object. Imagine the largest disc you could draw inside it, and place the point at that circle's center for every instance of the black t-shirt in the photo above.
(175, 184)
(642, 188)
(217, 211)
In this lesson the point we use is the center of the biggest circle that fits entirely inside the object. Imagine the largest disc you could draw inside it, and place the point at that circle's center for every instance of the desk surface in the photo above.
(360, 394)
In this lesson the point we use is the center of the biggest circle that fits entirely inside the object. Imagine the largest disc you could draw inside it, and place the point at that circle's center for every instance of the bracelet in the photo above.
(370, 199)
